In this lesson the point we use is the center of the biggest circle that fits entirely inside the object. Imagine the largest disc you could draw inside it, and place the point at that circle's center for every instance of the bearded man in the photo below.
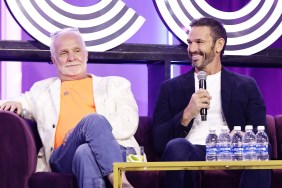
(230, 99)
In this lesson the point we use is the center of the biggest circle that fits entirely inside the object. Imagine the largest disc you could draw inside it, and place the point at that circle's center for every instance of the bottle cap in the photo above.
(261, 128)
(237, 128)
(249, 127)
(212, 128)
(224, 128)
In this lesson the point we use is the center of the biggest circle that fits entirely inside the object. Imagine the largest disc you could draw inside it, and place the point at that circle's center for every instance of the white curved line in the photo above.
(251, 21)
(230, 28)
(179, 13)
(191, 9)
(229, 15)
(119, 40)
(112, 29)
(168, 19)
(81, 23)
(33, 31)
(37, 17)
(260, 46)
(258, 32)
(81, 10)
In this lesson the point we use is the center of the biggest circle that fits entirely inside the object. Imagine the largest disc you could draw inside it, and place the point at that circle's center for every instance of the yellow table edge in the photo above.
(192, 165)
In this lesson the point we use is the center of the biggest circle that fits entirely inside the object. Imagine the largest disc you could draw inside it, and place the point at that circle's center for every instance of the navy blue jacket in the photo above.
(242, 105)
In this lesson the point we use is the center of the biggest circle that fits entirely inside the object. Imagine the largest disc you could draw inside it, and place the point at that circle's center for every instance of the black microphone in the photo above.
(202, 76)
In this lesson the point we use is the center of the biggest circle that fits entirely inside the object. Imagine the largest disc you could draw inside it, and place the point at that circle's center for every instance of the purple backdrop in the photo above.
(154, 32)
(268, 79)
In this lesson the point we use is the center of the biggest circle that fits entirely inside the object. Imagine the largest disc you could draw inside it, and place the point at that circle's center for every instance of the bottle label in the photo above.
(211, 149)
(237, 149)
(262, 148)
(224, 149)
(249, 148)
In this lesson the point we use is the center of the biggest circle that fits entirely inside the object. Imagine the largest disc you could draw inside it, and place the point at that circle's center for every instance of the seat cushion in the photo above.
(18, 152)
(220, 178)
(276, 180)
(141, 179)
(52, 179)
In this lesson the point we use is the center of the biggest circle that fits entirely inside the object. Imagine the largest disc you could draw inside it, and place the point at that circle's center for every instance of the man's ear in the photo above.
(52, 60)
(219, 44)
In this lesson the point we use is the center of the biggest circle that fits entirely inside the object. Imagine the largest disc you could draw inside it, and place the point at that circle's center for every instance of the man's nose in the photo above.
(71, 57)
(192, 48)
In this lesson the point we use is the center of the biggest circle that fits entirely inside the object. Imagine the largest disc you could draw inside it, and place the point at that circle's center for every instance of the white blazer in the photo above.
(113, 99)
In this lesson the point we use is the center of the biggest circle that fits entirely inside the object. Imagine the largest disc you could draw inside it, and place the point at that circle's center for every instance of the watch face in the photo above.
(104, 24)
(249, 30)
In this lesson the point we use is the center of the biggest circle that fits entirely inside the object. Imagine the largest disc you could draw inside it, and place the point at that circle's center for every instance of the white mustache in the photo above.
(70, 65)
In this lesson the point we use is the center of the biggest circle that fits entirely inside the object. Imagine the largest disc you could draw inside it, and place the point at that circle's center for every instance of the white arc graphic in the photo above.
(249, 30)
(104, 25)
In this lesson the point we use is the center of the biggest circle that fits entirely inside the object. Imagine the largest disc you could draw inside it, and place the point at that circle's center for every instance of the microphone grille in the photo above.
(202, 75)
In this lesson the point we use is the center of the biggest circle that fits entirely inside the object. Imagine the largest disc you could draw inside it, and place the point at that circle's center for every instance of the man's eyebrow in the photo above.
(198, 39)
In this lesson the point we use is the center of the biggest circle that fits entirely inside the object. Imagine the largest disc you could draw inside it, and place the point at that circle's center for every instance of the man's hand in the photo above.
(200, 99)
(12, 106)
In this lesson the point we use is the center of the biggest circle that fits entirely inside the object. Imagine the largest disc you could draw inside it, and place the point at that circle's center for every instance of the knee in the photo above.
(95, 117)
(97, 121)
(178, 144)
(178, 149)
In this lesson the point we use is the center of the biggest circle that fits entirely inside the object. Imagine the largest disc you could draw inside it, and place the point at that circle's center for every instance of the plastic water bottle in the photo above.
(211, 148)
(237, 147)
(224, 145)
(262, 144)
(249, 144)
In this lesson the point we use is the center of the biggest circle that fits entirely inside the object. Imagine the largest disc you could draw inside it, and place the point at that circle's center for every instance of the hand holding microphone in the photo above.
(202, 76)
(199, 102)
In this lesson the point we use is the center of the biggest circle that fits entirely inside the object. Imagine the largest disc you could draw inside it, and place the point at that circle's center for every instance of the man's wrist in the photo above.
(185, 121)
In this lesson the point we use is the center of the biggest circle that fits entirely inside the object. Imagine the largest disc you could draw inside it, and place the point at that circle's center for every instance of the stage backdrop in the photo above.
(153, 31)
(268, 79)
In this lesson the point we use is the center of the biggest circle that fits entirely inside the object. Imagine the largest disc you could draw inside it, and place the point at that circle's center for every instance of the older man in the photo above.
(85, 122)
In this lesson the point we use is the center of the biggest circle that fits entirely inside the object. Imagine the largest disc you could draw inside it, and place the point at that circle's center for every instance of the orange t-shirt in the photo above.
(76, 102)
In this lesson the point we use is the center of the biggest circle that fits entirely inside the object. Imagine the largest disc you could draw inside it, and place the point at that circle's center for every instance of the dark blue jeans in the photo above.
(89, 152)
(180, 149)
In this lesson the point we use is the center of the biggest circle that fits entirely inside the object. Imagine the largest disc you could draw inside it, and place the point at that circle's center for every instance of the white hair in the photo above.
(55, 34)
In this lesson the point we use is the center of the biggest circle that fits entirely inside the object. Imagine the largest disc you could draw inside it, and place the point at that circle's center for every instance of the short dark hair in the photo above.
(217, 29)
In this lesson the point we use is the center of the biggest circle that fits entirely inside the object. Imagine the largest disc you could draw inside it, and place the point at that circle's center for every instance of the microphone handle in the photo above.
(203, 111)
(202, 84)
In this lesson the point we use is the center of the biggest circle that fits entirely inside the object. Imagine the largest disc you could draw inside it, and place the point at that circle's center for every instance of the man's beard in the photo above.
(207, 59)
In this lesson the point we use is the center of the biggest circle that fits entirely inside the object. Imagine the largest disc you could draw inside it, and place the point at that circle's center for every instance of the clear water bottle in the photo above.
(262, 144)
(211, 148)
(249, 144)
(237, 147)
(224, 145)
